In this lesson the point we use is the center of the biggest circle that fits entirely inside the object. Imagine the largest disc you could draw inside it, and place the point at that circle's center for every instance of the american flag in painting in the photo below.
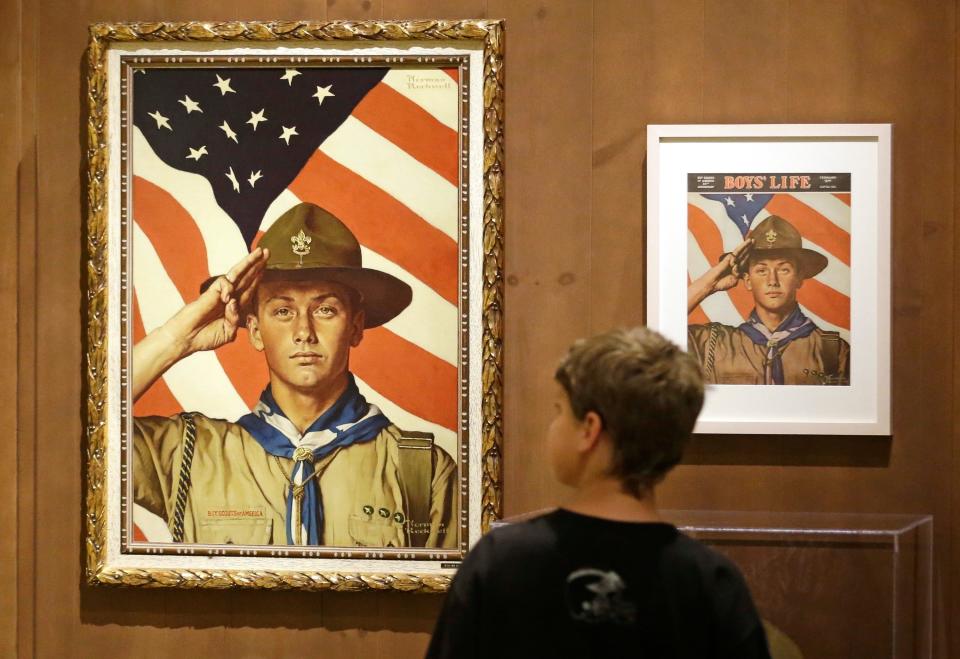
(219, 153)
(719, 221)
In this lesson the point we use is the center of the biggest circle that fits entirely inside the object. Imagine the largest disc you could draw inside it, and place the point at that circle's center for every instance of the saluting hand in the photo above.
(212, 319)
(721, 277)
(207, 323)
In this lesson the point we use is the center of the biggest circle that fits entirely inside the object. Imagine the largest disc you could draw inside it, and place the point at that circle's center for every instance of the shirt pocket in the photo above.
(235, 532)
(367, 532)
(739, 378)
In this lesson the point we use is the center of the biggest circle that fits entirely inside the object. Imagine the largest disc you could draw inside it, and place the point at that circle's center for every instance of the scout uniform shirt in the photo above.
(729, 356)
(238, 492)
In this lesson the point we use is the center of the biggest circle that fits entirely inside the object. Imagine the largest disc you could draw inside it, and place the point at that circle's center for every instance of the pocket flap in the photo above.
(235, 532)
(374, 532)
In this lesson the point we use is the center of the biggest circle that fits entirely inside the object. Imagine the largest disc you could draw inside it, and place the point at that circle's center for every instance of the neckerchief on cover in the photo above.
(794, 326)
(350, 420)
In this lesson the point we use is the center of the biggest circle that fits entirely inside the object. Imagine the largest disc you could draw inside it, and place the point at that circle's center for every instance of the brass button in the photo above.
(398, 518)
(383, 512)
(368, 510)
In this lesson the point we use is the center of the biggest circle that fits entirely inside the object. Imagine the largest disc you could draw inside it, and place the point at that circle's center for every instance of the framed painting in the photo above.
(294, 302)
(778, 276)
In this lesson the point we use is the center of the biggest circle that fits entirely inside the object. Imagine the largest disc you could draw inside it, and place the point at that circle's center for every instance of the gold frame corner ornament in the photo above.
(489, 33)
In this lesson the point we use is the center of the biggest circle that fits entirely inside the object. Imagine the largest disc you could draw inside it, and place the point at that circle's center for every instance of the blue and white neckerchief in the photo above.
(350, 420)
(795, 326)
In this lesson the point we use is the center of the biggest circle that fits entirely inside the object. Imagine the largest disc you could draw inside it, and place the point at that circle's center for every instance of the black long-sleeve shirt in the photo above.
(572, 585)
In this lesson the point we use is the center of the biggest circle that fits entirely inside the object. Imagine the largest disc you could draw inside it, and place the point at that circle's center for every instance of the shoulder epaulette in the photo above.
(414, 439)
(416, 477)
(830, 353)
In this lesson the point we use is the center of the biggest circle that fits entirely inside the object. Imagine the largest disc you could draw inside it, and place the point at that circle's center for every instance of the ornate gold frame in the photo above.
(490, 33)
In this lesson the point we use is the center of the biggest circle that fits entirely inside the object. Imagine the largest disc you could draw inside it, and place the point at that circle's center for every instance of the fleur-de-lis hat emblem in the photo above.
(301, 244)
(775, 237)
(308, 243)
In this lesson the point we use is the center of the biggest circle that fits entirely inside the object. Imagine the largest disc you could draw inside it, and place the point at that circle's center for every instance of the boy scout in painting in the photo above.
(778, 344)
(314, 463)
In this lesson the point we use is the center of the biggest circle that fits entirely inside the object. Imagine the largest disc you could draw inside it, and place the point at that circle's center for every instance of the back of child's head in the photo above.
(647, 392)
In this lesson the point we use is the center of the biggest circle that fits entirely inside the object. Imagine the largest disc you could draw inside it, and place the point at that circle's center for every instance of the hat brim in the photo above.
(384, 296)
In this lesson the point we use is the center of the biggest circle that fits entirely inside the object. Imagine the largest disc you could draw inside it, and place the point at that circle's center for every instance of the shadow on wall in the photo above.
(200, 609)
(789, 450)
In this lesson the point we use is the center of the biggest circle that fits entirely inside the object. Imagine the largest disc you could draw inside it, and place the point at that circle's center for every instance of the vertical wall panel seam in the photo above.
(34, 389)
(12, 371)
(951, 596)
(946, 586)
(28, 184)
(593, 146)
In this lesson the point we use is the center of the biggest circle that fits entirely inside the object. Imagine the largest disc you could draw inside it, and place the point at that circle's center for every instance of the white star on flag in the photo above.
(162, 121)
(196, 154)
(730, 202)
(233, 179)
(254, 177)
(225, 127)
(224, 86)
(749, 196)
(288, 133)
(322, 93)
(256, 118)
(289, 75)
(190, 104)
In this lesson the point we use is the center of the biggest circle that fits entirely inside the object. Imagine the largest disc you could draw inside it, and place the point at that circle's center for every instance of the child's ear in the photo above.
(592, 426)
(253, 331)
(359, 319)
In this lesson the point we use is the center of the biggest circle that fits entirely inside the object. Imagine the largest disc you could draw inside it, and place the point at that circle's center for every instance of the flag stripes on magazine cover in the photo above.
(823, 220)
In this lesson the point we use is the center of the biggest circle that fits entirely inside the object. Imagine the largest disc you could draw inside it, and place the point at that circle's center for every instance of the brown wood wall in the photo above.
(584, 80)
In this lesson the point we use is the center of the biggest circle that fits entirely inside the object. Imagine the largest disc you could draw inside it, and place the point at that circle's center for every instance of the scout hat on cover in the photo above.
(308, 243)
(775, 237)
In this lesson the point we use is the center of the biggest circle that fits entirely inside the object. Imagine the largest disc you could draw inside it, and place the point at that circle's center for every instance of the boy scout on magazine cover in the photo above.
(773, 307)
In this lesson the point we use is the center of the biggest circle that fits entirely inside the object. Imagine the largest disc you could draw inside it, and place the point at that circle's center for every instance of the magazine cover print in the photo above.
(768, 275)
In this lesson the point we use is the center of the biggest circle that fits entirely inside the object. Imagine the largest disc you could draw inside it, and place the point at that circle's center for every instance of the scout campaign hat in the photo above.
(308, 243)
(775, 237)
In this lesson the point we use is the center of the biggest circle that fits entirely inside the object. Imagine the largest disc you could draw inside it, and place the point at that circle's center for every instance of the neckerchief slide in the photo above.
(350, 420)
(795, 326)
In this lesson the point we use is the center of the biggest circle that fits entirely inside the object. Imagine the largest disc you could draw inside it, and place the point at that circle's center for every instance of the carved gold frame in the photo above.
(489, 34)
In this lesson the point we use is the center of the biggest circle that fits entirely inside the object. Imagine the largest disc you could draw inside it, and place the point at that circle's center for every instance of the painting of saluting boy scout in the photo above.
(294, 310)
(768, 296)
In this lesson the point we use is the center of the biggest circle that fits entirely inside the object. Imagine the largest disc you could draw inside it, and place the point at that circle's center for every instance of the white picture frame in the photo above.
(675, 154)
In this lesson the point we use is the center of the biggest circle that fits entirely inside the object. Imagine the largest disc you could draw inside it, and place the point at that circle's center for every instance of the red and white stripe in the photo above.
(823, 220)
(390, 172)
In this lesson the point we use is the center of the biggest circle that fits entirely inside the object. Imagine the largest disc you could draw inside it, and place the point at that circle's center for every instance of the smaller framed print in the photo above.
(780, 237)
